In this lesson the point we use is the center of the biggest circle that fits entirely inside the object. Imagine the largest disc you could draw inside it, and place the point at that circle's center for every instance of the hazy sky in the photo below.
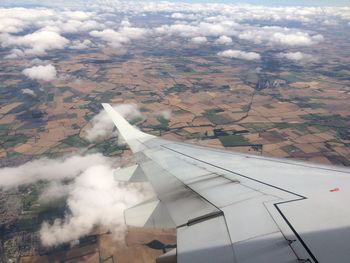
(259, 2)
(277, 2)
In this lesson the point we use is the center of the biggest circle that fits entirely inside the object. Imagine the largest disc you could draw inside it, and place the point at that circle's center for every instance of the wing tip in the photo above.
(105, 105)
(126, 130)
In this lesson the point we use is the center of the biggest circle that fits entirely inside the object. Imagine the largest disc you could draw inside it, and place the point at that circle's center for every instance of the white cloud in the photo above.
(236, 12)
(77, 44)
(296, 56)
(231, 53)
(78, 15)
(55, 190)
(182, 16)
(11, 25)
(15, 20)
(166, 114)
(42, 169)
(279, 36)
(183, 30)
(46, 73)
(102, 124)
(223, 40)
(28, 92)
(37, 43)
(15, 53)
(203, 29)
(216, 29)
(223, 21)
(38, 61)
(125, 23)
(133, 32)
(72, 26)
(46, 26)
(199, 40)
(330, 22)
(121, 37)
(225, 28)
(96, 199)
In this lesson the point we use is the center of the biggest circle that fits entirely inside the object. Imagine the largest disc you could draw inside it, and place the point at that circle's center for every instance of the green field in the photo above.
(75, 141)
(12, 140)
(234, 141)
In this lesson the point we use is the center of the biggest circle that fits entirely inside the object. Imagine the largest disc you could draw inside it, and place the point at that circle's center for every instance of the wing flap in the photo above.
(207, 241)
(262, 209)
(182, 203)
(151, 214)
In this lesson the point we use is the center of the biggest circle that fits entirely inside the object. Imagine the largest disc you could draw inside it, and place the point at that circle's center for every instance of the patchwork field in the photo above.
(283, 90)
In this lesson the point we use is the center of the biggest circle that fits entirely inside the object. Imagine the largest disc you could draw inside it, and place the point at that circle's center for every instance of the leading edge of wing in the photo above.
(132, 136)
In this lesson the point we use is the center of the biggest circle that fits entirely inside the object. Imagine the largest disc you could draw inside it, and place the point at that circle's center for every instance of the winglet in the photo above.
(133, 137)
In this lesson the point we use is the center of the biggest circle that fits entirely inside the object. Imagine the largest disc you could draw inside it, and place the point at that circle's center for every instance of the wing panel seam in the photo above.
(300, 198)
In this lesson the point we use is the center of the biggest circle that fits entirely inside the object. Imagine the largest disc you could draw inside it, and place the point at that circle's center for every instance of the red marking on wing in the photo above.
(335, 189)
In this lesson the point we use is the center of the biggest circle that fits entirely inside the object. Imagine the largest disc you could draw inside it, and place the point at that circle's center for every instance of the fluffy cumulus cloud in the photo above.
(184, 16)
(15, 20)
(55, 190)
(296, 56)
(94, 197)
(47, 27)
(223, 40)
(120, 37)
(28, 92)
(280, 36)
(227, 29)
(112, 37)
(46, 73)
(78, 15)
(84, 44)
(11, 25)
(196, 29)
(240, 13)
(72, 26)
(199, 40)
(15, 53)
(37, 43)
(231, 53)
(220, 24)
(102, 124)
(182, 30)
(55, 170)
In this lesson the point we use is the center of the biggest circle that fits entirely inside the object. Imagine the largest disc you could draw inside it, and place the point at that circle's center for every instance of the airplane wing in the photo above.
(232, 207)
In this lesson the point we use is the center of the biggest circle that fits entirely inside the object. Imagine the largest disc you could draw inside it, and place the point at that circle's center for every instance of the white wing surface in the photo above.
(230, 207)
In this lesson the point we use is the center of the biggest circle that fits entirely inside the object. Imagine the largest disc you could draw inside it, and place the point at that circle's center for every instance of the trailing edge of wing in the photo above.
(132, 136)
